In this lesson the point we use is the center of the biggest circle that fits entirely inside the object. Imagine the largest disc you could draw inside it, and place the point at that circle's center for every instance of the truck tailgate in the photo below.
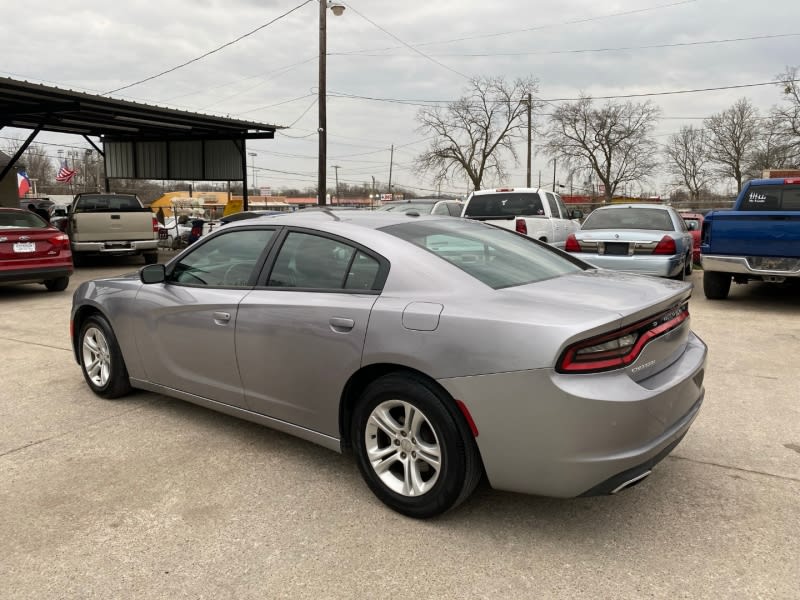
(747, 233)
(112, 226)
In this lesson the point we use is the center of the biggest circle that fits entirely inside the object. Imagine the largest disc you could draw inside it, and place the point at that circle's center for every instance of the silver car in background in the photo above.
(437, 349)
(648, 239)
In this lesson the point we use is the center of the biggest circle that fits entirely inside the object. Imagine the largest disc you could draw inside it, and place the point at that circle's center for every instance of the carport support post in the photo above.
(18, 154)
(245, 195)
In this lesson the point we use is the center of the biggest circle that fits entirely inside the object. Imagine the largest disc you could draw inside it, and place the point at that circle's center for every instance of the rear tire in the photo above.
(689, 266)
(150, 258)
(101, 359)
(59, 284)
(412, 446)
(716, 286)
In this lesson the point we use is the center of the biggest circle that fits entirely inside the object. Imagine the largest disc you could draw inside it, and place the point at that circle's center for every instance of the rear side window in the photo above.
(629, 218)
(494, 256)
(505, 205)
(454, 208)
(762, 197)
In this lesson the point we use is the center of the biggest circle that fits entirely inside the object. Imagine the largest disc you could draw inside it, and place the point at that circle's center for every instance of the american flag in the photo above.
(65, 174)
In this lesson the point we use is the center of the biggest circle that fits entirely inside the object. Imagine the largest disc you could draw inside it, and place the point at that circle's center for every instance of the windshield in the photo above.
(505, 205)
(496, 257)
(422, 208)
(629, 218)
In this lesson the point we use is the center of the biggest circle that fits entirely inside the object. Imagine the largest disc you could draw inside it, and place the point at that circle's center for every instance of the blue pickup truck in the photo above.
(758, 240)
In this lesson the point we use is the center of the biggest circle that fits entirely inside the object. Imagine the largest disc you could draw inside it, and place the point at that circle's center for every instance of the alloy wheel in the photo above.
(96, 356)
(403, 448)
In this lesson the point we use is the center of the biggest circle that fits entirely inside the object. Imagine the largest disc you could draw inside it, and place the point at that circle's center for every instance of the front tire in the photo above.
(716, 286)
(413, 447)
(101, 359)
(59, 284)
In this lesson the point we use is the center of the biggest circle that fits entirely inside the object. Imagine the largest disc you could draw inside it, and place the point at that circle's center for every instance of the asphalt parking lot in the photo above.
(149, 497)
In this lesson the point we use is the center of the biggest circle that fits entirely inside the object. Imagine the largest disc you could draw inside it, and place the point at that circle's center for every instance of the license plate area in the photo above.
(117, 245)
(616, 248)
(24, 247)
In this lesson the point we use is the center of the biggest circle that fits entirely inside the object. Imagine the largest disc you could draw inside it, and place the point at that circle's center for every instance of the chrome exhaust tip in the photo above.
(631, 482)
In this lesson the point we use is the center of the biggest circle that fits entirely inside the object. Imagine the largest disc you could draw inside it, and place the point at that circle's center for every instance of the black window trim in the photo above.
(266, 270)
(257, 269)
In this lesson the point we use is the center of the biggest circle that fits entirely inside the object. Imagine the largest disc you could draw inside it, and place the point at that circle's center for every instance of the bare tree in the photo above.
(773, 149)
(787, 115)
(474, 135)
(614, 142)
(732, 136)
(35, 161)
(688, 159)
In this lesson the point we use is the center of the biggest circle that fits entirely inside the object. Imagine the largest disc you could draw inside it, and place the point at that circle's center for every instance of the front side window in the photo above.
(454, 208)
(494, 256)
(309, 261)
(629, 217)
(228, 260)
(562, 207)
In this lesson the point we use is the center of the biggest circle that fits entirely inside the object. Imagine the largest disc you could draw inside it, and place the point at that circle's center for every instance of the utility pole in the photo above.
(540, 178)
(554, 174)
(372, 195)
(391, 164)
(530, 128)
(337, 167)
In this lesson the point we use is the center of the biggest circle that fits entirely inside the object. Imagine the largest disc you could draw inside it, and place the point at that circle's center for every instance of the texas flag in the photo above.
(23, 183)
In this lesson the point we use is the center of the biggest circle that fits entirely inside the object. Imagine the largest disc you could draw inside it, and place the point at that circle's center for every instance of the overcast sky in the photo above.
(271, 77)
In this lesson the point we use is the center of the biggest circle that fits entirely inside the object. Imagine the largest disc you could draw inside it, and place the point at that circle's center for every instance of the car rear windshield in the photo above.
(772, 197)
(106, 203)
(629, 218)
(504, 205)
(494, 256)
(21, 219)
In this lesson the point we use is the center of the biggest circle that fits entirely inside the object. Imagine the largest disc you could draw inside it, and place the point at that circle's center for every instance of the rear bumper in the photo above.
(35, 274)
(116, 247)
(660, 266)
(549, 434)
(752, 265)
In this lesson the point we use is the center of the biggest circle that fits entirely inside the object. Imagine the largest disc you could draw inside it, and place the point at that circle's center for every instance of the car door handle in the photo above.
(341, 324)
(222, 317)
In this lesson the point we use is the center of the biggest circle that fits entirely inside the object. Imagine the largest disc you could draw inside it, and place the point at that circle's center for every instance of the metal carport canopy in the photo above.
(141, 141)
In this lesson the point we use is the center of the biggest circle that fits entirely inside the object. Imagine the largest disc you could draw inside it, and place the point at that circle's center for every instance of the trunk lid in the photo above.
(20, 244)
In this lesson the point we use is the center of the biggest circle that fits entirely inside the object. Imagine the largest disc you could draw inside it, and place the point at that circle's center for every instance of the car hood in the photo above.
(596, 293)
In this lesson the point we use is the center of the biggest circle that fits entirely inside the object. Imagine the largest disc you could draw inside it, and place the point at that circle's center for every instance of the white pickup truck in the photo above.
(532, 211)
(112, 224)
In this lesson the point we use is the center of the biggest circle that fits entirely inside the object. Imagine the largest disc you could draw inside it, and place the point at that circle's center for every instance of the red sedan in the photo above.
(33, 251)
(694, 223)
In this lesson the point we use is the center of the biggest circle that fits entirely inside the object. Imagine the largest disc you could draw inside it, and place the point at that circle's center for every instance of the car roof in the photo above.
(634, 205)
(418, 201)
(509, 190)
(362, 218)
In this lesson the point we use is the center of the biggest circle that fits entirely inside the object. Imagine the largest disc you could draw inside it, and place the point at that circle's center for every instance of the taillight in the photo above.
(791, 181)
(155, 225)
(572, 244)
(666, 246)
(60, 241)
(522, 226)
(619, 349)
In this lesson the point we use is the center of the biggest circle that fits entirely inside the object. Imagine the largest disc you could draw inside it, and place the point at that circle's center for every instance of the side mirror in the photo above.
(576, 214)
(153, 274)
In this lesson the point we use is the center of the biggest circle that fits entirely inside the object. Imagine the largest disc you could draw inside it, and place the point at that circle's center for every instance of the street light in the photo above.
(337, 9)
(252, 156)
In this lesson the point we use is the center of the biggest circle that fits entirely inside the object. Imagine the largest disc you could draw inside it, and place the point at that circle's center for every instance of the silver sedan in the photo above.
(437, 349)
(648, 239)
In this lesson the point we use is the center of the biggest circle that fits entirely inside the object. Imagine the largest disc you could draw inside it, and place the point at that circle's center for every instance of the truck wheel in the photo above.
(716, 285)
(78, 260)
(150, 258)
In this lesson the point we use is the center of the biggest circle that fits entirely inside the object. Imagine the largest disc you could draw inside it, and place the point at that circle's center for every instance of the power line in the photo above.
(616, 49)
(432, 103)
(210, 52)
(540, 27)
(409, 46)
